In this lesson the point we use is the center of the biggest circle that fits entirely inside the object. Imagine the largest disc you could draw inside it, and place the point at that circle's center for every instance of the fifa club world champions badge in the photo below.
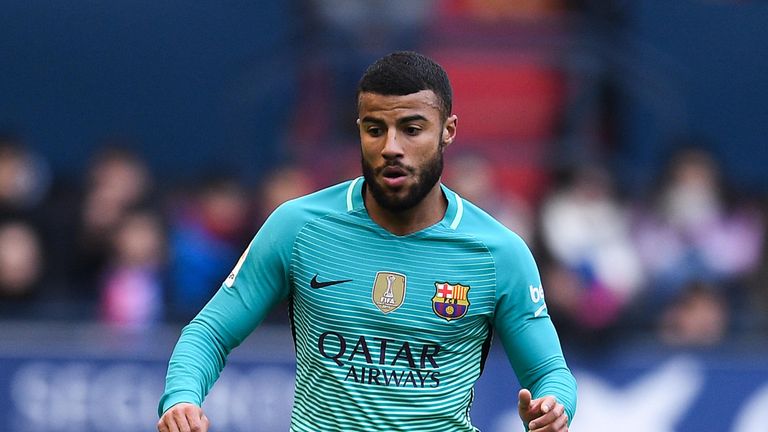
(388, 291)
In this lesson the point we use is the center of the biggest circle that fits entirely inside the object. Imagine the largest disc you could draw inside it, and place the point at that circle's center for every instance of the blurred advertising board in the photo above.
(96, 381)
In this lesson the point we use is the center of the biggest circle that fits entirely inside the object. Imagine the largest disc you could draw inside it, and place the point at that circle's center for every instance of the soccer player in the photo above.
(395, 285)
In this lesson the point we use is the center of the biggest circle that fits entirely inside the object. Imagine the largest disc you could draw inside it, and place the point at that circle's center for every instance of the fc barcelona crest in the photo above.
(388, 291)
(450, 301)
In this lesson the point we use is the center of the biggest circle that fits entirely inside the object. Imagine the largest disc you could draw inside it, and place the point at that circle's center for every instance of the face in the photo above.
(402, 140)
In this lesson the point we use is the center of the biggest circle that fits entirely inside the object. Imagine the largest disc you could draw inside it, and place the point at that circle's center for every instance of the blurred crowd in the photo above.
(685, 263)
(117, 246)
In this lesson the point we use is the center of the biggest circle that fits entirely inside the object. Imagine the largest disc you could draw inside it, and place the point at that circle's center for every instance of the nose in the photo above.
(392, 148)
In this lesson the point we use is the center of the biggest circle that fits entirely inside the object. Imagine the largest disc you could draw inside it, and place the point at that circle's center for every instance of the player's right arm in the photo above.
(258, 282)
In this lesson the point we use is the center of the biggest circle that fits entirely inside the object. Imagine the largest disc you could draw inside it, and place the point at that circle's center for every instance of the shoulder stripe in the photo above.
(350, 190)
(459, 211)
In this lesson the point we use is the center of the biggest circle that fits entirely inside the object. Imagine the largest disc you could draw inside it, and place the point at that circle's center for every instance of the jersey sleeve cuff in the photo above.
(169, 400)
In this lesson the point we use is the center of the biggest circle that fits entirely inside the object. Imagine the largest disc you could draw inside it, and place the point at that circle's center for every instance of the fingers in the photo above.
(183, 417)
(554, 420)
(524, 399)
(547, 403)
(167, 424)
(199, 424)
(560, 425)
(544, 414)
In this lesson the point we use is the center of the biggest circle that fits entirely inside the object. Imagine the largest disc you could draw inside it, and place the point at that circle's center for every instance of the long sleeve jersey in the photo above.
(391, 332)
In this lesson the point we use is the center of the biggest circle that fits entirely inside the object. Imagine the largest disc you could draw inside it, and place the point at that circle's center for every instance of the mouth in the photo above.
(394, 176)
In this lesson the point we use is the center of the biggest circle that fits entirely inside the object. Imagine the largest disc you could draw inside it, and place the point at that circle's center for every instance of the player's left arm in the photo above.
(548, 399)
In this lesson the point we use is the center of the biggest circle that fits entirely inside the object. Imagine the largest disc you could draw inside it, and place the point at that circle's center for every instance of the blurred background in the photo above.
(143, 143)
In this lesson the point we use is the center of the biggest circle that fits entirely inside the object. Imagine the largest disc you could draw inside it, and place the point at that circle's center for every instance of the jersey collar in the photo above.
(453, 214)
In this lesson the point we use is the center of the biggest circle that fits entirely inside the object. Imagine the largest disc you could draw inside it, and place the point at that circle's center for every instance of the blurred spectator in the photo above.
(118, 180)
(692, 234)
(283, 184)
(132, 287)
(697, 317)
(24, 178)
(21, 266)
(209, 232)
(595, 271)
(471, 175)
(24, 190)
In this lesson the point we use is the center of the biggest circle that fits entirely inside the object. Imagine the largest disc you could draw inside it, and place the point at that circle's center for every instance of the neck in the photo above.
(426, 213)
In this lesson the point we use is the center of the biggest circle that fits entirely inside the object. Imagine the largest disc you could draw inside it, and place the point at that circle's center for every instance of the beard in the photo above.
(426, 177)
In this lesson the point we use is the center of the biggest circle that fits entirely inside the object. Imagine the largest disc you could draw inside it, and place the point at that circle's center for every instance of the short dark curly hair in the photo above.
(406, 72)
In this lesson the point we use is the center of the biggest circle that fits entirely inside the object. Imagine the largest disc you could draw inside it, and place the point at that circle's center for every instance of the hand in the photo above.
(543, 414)
(183, 417)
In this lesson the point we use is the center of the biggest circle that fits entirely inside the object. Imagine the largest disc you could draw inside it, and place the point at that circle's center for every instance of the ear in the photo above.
(449, 131)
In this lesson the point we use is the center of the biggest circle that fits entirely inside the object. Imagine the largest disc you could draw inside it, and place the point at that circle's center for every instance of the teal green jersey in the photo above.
(391, 332)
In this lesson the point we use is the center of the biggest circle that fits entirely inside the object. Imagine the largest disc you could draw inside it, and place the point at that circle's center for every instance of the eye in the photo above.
(374, 131)
(412, 130)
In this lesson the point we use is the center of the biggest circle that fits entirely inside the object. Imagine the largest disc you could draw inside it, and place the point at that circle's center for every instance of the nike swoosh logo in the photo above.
(315, 284)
